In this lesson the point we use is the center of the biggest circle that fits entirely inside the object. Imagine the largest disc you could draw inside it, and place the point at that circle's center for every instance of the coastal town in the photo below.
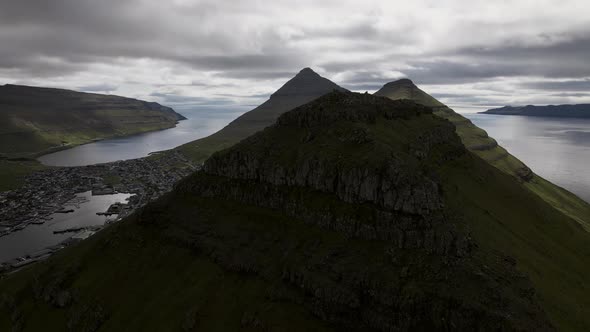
(54, 190)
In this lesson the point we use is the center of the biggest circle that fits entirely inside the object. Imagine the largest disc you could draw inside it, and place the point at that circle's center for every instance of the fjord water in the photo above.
(199, 123)
(38, 237)
(556, 149)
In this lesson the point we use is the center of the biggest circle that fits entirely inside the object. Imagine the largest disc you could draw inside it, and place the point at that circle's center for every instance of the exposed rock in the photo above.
(302, 168)
(525, 174)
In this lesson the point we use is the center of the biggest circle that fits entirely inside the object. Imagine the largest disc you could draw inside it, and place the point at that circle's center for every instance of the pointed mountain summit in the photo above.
(306, 83)
(304, 87)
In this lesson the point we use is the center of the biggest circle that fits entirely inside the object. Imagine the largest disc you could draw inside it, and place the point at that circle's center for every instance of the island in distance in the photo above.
(555, 111)
(35, 121)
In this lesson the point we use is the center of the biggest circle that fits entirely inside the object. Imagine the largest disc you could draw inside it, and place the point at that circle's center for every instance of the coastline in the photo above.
(538, 116)
(55, 149)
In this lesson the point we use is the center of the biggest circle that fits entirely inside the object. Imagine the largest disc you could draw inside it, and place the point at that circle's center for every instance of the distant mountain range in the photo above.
(554, 111)
(35, 120)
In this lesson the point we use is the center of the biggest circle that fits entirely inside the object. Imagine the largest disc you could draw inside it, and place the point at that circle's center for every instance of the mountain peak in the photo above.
(406, 89)
(307, 83)
(307, 71)
(402, 81)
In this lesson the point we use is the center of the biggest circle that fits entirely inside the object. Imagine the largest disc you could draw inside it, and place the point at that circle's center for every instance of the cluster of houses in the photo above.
(46, 192)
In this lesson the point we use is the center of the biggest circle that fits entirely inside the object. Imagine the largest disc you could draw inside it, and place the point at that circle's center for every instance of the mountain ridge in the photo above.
(406, 89)
(479, 142)
(557, 111)
(350, 212)
(346, 214)
(304, 87)
(36, 120)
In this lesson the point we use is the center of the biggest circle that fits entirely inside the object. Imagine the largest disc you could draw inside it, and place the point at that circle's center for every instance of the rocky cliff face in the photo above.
(337, 217)
(313, 166)
(390, 185)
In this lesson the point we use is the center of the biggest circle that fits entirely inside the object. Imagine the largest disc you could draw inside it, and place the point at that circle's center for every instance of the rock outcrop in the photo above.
(313, 167)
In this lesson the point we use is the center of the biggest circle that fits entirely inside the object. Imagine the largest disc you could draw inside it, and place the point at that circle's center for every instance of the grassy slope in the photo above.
(547, 244)
(13, 172)
(242, 127)
(301, 89)
(132, 270)
(475, 138)
(478, 141)
(551, 248)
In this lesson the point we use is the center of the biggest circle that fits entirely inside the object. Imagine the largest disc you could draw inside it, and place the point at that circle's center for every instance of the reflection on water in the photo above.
(556, 149)
(37, 237)
(200, 123)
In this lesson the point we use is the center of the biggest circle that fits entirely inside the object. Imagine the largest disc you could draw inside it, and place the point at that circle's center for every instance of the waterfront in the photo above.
(35, 238)
(199, 123)
(556, 149)
(54, 190)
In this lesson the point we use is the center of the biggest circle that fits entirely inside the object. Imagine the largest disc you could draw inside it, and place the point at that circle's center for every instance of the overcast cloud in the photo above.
(468, 53)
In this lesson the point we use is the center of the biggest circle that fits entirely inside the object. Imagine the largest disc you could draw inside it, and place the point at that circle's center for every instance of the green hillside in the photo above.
(351, 213)
(478, 141)
(36, 120)
(12, 172)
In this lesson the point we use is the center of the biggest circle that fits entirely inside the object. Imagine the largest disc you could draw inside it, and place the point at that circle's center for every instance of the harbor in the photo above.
(40, 240)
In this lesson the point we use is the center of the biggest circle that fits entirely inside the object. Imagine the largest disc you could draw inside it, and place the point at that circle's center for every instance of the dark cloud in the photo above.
(572, 94)
(237, 49)
(256, 96)
(572, 47)
(560, 59)
(261, 74)
(102, 87)
(456, 72)
(173, 99)
(246, 65)
(64, 36)
(567, 85)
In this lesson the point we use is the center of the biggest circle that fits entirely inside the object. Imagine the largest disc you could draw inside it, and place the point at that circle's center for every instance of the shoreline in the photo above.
(551, 117)
(37, 155)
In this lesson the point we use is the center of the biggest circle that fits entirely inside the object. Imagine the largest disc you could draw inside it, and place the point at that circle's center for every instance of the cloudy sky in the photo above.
(470, 54)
